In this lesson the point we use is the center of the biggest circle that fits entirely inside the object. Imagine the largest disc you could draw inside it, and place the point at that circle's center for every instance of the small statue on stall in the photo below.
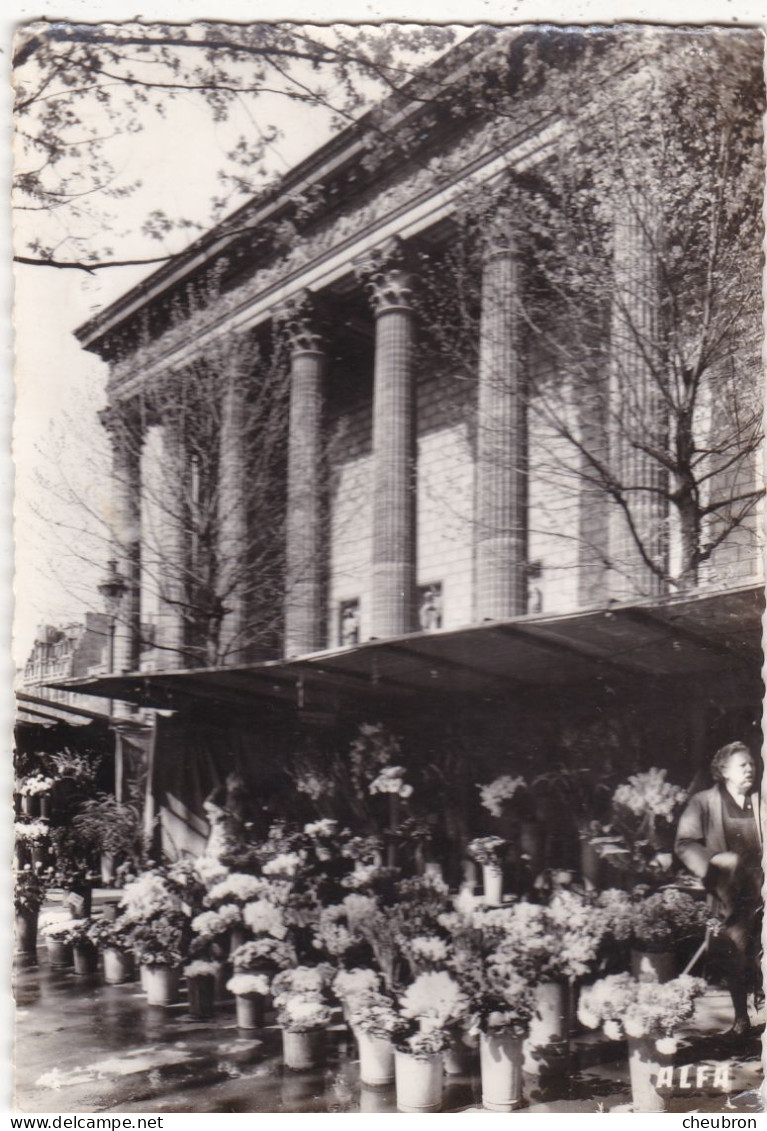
(224, 810)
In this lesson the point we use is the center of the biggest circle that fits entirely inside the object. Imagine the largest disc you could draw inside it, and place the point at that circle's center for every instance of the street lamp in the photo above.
(113, 588)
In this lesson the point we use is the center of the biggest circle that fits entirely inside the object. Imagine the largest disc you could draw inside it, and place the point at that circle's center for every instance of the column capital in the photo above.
(123, 421)
(499, 237)
(300, 320)
(387, 274)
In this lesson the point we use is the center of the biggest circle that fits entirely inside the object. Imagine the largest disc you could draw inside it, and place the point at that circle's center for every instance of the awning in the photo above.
(682, 636)
(42, 711)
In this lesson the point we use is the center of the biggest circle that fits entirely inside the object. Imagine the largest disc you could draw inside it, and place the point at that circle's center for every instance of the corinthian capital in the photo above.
(387, 276)
(300, 322)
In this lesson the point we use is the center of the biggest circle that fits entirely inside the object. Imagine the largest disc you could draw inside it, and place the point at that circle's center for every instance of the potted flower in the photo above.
(201, 976)
(28, 896)
(236, 890)
(489, 851)
(250, 992)
(31, 838)
(645, 809)
(53, 928)
(35, 793)
(659, 924)
(84, 953)
(349, 984)
(303, 1013)
(113, 937)
(648, 1015)
(374, 1021)
(157, 929)
(430, 1009)
(112, 828)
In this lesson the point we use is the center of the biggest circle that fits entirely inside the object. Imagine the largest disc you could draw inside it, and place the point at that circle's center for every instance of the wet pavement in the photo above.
(82, 1046)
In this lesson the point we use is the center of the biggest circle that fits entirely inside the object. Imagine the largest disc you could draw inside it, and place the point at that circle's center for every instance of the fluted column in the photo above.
(304, 552)
(638, 416)
(232, 524)
(501, 470)
(126, 437)
(394, 446)
(173, 538)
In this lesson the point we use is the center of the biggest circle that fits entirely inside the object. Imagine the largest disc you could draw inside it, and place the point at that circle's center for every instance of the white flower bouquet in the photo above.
(265, 918)
(307, 981)
(54, 925)
(331, 932)
(435, 1000)
(148, 895)
(33, 831)
(202, 968)
(301, 1014)
(36, 784)
(666, 918)
(248, 984)
(237, 887)
(374, 1012)
(488, 849)
(391, 779)
(265, 951)
(348, 984)
(626, 1007)
(214, 924)
(284, 864)
(649, 795)
(502, 789)
(426, 952)
(321, 830)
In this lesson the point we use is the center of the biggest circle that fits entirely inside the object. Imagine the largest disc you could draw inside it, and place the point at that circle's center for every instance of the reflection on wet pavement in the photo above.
(85, 1047)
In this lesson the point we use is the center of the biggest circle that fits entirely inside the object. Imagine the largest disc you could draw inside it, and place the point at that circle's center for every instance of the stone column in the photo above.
(304, 621)
(173, 539)
(232, 511)
(501, 468)
(394, 445)
(126, 435)
(638, 417)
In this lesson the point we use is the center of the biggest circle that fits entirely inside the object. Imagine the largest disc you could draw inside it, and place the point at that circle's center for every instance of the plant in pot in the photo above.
(28, 894)
(303, 1013)
(31, 842)
(649, 1015)
(580, 795)
(660, 924)
(114, 938)
(235, 890)
(645, 809)
(489, 851)
(35, 793)
(111, 828)
(72, 871)
(84, 952)
(430, 1010)
(53, 928)
(374, 1021)
(158, 930)
(201, 975)
(250, 991)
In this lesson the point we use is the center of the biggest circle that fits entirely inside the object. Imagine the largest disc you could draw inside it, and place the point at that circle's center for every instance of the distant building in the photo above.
(64, 652)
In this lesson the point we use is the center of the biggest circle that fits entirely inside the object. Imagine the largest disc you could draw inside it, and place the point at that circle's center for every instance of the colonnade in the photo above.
(500, 511)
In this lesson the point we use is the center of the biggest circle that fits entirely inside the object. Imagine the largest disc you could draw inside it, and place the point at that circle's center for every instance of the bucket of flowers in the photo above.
(28, 895)
(201, 974)
(303, 1013)
(113, 938)
(226, 899)
(374, 1021)
(429, 1011)
(660, 924)
(31, 842)
(250, 990)
(489, 852)
(645, 809)
(647, 1014)
(53, 928)
(84, 952)
(158, 929)
(35, 793)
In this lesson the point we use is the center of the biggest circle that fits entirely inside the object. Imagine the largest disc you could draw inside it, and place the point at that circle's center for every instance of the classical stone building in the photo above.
(446, 556)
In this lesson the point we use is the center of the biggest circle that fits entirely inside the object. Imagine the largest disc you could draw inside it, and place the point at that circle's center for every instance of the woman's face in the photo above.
(739, 772)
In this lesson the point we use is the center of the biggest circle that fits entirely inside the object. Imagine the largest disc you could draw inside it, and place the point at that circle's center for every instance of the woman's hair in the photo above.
(722, 757)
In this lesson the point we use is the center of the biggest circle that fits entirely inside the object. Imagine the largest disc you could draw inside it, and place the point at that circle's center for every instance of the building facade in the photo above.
(312, 463)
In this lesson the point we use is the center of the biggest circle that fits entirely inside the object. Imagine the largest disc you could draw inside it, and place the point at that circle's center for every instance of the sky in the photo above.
(59, 386)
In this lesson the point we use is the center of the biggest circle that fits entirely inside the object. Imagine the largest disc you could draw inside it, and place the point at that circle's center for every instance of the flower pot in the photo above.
(303, 1050)
(23, 854)
(418, 1082)
(45, 806)
(376, 1059)
(143, 977)
(161, 985)
(492, 883)
(500, 1058)
(433, 868)
(469, 881)
(221, 978)
(59, 953)
(591, 865)
(26, 936)
(237, 937)
(201, 989)
(547, 1048)
(119, 966)
(39, 854)
(29, 805)
(85, 958)
(107, 868)
(653, 965)
(250, 1011)
(645, 1063)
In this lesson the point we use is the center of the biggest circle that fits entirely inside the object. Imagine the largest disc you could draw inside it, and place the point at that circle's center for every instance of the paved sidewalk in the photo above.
(85, 1047)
